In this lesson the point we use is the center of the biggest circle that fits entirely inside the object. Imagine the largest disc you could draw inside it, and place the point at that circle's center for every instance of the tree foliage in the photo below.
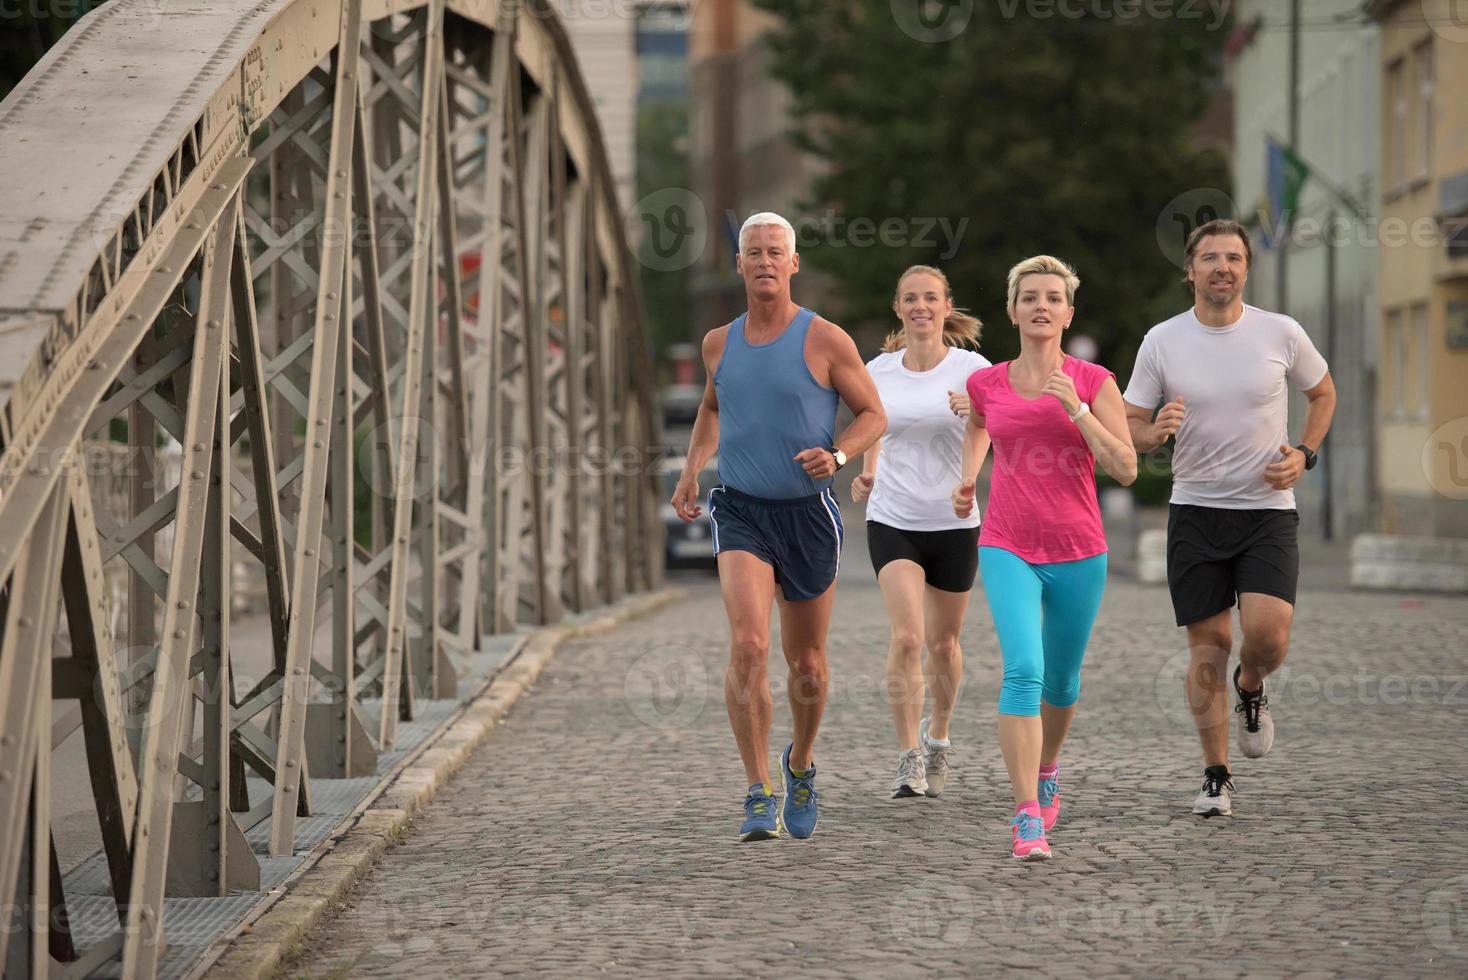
(1052, 134)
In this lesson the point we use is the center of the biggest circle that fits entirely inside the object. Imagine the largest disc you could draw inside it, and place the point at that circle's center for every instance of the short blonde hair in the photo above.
(1043, 265)
(960, 328)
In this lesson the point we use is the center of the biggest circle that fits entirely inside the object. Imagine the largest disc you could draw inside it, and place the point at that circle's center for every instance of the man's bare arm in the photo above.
(705, 438)
(852, 381)
(1319, 413)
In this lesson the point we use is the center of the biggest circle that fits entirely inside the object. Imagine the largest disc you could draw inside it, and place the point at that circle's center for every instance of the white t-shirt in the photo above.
(922, 451)
(1236, 408)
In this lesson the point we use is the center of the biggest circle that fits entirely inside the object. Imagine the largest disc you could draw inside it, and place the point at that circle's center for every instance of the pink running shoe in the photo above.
(1049, 800)
(1028, 831)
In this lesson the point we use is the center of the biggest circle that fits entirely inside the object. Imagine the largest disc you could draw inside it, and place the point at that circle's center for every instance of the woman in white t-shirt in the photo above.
(925, 558)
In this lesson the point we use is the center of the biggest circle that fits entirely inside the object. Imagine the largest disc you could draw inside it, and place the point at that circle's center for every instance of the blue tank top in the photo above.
(770, 408)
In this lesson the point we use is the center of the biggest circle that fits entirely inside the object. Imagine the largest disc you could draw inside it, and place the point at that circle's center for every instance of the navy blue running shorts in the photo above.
(800, 538)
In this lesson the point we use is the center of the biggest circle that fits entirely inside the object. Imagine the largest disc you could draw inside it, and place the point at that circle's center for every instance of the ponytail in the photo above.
(960, 329)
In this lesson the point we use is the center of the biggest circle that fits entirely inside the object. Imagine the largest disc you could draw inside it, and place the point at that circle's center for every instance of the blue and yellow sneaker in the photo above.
(799, 810)
(759, 814)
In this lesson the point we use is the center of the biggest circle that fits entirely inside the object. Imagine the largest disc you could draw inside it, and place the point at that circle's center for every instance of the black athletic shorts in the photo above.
(1213, 554)
(800, 538)
(949, 559)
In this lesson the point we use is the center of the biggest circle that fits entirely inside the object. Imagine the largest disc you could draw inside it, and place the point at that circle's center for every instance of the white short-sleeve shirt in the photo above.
(922, 451)
(1232, 381)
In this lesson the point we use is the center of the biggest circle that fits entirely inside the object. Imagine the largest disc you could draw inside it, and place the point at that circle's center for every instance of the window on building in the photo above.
(1394, 359)
(1422, 137)
(1396, 130)
(1417, 401)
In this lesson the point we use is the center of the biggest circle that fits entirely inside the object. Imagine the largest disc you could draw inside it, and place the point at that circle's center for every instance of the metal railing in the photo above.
(359, 264)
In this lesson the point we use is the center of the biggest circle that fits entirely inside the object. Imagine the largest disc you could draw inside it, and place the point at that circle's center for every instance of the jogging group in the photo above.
(926, 413)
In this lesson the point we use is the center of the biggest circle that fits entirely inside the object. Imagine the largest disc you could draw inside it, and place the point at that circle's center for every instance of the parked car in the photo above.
(688, 545)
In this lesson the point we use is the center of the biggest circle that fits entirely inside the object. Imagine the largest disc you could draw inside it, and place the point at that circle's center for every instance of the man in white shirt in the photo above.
(1219, 372)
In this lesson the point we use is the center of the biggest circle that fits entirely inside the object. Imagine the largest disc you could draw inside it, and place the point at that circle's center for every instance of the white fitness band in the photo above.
(1080, 412)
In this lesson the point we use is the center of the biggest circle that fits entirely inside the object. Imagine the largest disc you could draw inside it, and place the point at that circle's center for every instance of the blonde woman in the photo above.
(925, 558)
(1042, 552)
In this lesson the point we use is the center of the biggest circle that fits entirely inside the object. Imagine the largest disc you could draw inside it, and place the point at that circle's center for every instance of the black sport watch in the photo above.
(1310, 458)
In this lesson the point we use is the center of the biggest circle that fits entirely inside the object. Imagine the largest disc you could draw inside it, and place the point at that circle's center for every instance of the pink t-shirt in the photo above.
(1042, 498)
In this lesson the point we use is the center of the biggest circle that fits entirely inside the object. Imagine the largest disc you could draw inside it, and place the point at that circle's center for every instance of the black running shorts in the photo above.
(1214, 554)
(949, 559)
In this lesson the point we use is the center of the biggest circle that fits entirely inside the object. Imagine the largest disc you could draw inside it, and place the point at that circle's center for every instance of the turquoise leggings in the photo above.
(1043, 615)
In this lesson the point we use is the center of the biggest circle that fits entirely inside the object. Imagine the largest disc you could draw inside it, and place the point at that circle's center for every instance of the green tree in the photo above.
(662, 162)
(1055, 134)
(27, 31)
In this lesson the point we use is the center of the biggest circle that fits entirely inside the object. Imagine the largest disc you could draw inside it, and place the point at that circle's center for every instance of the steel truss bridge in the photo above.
(323, 299)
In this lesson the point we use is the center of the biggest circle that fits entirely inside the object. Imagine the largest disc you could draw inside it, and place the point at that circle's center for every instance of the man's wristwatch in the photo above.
(840, 458)
(1310, 458)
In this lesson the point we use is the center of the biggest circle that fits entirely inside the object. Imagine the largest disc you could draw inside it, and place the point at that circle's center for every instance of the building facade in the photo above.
(1422, 411)
(1330, 261)
(742, 158)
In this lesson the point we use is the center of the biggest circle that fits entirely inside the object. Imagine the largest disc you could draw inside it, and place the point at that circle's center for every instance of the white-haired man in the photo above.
(774, 377)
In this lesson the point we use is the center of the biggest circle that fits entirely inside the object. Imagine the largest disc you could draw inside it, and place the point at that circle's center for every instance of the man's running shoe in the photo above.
(1049, 796)
(935, 760)
(911, 779)
(1028, 833)
(798, 812)
(1256, 734)
(759, 814)
(1214, 801)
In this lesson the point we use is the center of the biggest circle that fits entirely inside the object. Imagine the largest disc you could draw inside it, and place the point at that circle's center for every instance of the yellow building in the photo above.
(1422, 384)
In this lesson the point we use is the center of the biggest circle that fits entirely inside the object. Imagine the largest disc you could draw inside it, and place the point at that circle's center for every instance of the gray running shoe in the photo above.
(935, 758)
(1256, 732)
(911, 779)
(1214, 801)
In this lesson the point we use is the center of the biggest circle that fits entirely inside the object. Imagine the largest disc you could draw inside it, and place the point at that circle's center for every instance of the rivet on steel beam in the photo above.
(291, 764)
(179, 633)
(199, 447)
(310, 552)
(183, 603)
(25, 622)
(213, 323)
(197, 474)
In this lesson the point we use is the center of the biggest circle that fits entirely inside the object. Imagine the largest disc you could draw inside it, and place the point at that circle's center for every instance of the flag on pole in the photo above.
(1287, 174)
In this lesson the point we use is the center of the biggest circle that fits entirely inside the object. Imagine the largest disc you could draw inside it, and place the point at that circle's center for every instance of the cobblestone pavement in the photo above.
(595, 833)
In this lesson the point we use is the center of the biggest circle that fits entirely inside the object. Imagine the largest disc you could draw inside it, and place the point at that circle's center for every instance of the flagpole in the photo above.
(1288, 217)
